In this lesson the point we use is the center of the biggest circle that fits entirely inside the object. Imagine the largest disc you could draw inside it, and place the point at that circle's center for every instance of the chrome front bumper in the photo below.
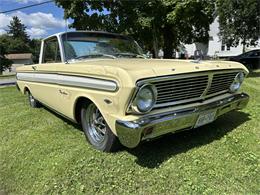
(131, 133)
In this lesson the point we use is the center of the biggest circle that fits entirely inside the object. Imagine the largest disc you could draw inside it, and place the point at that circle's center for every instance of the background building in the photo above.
(215, 46)
(19, 59)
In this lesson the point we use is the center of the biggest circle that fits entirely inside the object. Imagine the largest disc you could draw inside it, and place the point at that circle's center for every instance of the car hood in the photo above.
(128, 71)
(146, 68)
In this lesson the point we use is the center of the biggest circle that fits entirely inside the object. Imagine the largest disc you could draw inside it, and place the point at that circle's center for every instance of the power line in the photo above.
(28, 6)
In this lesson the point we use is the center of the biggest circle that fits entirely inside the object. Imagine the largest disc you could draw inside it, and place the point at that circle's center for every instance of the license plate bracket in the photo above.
(205, 118)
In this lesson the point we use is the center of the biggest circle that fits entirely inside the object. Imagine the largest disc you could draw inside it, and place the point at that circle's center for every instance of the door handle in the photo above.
(63, 92)
(34, 67)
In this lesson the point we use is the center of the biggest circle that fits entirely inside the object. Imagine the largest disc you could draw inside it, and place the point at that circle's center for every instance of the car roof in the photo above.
(84, 31)
(252, 50)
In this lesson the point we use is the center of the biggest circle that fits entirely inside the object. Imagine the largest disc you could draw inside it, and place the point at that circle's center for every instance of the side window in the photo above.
(51, 53)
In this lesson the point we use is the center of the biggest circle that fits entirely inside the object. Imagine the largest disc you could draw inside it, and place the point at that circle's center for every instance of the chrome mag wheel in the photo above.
(96, 130)
(96, 124)
(32, 101)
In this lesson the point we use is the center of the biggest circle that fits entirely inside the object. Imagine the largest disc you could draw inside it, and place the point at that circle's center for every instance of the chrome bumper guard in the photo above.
(131, 133)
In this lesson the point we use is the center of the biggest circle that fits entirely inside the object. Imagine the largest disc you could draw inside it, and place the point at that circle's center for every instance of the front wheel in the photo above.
(32, 101)
(96, 129)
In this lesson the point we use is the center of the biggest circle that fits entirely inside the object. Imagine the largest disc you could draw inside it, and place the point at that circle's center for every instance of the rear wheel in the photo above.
(96, 129)
(32, 101)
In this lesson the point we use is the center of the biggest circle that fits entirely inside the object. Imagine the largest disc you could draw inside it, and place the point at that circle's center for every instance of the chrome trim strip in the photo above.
(185, 75)
(87, 82)
(177, 102)
(74, 81)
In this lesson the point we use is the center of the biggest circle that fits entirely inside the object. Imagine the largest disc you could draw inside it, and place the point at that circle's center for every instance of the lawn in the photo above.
(8, 76)
(42, 153)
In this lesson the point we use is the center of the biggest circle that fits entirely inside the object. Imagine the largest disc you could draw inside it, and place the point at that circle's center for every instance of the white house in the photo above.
(215, 46)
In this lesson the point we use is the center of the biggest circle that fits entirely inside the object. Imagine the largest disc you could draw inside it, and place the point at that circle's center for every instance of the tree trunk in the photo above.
(244, 44)
(155, 47)
(155, 41)
(244, 48)
(168, 38)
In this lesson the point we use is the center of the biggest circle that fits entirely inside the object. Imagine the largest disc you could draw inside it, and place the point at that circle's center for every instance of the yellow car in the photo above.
(104, 82)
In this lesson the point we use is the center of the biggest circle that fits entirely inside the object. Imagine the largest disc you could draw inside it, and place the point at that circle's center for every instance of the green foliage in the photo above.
(157, 23)
(239, 21)
(35, 48)
(7, 76)
(45, 154)
(17, 30)
(17, 41)
(14, 45)
(4, 62)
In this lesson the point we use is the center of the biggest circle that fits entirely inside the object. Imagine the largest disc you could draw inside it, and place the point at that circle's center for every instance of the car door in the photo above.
(252, 59)
(46, 87)
(255, 59)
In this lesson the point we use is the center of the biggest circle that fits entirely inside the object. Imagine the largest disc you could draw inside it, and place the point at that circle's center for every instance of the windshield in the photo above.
(79, 46)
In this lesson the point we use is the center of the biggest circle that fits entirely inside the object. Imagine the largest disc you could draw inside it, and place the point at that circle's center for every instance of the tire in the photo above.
(32, 101)
(96, 130)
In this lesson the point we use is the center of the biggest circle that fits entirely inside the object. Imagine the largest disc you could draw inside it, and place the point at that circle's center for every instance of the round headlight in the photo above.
(235, 86)
(145, 98)
(240, 77)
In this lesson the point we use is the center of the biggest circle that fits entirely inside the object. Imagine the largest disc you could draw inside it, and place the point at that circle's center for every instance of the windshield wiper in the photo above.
(135, 55)
(94, 56)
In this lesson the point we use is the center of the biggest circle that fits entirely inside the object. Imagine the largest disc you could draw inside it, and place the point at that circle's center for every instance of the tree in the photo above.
(34, 48)
(13, 45)
(156, 23)
(239, 21)
(4, 62)
(17, 30)
(16, 40)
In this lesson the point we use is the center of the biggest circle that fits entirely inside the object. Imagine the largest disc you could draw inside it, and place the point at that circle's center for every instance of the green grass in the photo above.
(8, 76)
(41, 153)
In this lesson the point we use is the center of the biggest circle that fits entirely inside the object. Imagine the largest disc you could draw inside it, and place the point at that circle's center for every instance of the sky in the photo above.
(41, 21)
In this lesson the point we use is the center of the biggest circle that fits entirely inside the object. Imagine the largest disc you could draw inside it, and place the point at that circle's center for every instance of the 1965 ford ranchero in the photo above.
(104, 82)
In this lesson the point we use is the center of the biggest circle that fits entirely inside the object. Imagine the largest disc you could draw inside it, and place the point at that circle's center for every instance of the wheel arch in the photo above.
(78, 105)
(26, 89)
(101, 105)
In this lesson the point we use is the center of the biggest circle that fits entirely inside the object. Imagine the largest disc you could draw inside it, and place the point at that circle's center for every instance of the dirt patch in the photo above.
(2, 192)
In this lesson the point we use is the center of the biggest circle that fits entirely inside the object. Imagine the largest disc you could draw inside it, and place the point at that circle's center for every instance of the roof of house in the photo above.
(19, 56)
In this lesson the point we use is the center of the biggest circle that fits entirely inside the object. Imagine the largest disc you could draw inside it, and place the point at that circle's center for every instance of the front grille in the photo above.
(180, 89)
(221, 82)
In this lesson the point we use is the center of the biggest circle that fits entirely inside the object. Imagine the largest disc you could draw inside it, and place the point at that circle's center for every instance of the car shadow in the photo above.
(254, 74)
(152, 154)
